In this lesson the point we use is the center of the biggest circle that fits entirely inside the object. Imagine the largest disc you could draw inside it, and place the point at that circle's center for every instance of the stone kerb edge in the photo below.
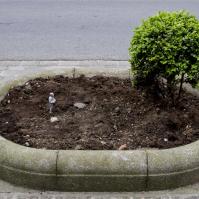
(137, 170)
(72, 170)
(171, 168)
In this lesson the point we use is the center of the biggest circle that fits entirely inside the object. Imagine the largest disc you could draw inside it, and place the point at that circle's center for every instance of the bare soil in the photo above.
(115, 115)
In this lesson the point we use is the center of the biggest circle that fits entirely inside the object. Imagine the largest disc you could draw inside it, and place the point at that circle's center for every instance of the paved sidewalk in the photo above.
(15, 70)
(8, 191)
(96, 196)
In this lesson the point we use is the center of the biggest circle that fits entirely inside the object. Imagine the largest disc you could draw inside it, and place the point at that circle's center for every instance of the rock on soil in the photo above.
(80, 105)
(54, 119)
(27, 144)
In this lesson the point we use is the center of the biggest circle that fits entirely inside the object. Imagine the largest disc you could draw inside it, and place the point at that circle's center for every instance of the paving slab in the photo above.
(95, 196)
(8, 191)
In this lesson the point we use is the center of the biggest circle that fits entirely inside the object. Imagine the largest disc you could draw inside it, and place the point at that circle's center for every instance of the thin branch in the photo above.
(180, 89)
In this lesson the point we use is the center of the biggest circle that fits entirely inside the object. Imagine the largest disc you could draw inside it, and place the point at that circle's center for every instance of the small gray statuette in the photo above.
(51, 101)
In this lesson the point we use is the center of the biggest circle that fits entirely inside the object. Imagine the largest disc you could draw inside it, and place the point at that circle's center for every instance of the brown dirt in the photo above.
(116, 115)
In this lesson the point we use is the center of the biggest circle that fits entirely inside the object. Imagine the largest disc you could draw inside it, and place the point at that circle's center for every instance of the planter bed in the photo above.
(101, 169)
(113, 114)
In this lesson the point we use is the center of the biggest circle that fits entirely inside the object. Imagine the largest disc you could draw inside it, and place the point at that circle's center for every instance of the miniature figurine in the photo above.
(51, 101)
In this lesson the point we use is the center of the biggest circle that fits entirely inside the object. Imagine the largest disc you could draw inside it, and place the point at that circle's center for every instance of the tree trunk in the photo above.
(180, 89)
(171, 92)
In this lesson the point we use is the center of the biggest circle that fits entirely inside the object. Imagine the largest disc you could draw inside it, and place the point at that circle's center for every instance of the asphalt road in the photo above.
(75, 29)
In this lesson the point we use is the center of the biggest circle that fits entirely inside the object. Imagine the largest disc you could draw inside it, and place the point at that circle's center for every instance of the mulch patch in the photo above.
(115, 114)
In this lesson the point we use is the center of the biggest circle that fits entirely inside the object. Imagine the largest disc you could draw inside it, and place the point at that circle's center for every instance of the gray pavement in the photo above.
(12, 71)
(75, 29)
(13, 192)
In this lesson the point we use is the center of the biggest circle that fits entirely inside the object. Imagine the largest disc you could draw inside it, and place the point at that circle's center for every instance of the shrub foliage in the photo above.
(166, 45)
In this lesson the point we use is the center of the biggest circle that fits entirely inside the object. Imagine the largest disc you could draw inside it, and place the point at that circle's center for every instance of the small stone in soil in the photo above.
(102, 142)
(122, 147)
(27, 144)
(56, 126)
(117, 109)
(78, 147)
(129, 110)
(28, 89)
(165, 139)
(79, 105)
(186, 116)
(158, 110)
(54, 119)
(99, 124)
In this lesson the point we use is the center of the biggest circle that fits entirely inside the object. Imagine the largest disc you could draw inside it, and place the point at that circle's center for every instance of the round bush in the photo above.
(166, 45)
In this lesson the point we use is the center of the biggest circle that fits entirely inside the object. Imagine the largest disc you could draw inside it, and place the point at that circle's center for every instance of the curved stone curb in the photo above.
(174, 167)
(71, 170)
(25, 166)
(102, 170)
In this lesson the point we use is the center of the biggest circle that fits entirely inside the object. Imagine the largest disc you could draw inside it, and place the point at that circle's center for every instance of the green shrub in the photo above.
(166, 45)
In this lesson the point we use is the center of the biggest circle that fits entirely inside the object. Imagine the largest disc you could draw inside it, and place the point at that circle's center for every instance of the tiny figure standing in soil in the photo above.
(51, 101)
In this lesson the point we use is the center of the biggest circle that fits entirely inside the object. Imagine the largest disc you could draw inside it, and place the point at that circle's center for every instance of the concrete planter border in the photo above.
(71, 170)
